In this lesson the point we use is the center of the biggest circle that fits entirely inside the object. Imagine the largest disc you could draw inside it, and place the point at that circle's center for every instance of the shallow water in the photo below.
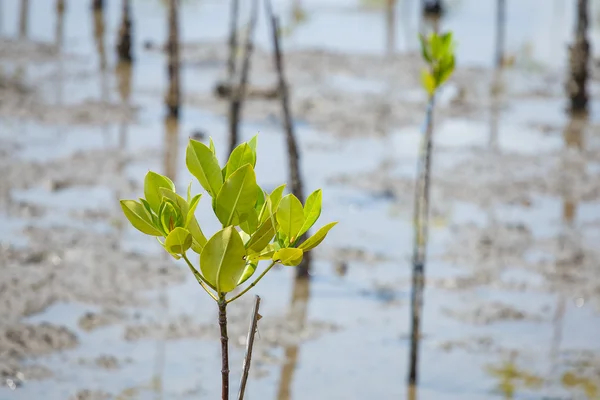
(499, 320)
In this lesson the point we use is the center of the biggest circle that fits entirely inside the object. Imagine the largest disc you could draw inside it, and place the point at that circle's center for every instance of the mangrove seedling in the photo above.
(256, 226)
(438, 53)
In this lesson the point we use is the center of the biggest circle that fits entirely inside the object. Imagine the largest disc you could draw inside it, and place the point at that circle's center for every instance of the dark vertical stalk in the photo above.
(302, 270)
(421, 225)
(233, 36)
(391, 26)
(124, 42)
(173, 94)
(500, 31)
(579, 54)
(60, 19)
(239, 93)
(249, 346)
(224, 349)
(24, 19)
(97, 5)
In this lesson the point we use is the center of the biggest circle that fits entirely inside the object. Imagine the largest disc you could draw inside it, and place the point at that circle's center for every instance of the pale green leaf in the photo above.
(250, 222)
(239, 157)
(290, 217)
(153, 182)
(271, 203)
(428, 82)
(139, 217)
(312, 210)
(262, 237)
(290, 257)
(211, 145)
(222, 260)
(237, 196)
(178, 241)
(192, 209)
(248, 272)
(203, 164)
(317, 238)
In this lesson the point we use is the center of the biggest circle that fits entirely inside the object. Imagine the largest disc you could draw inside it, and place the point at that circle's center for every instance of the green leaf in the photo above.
(317, 238)
(222, 260)
(312, 210)
(268, 252)
(151, 213)
(237, 196)
(239, 157)
(203, 164)
(245, 237)
(139, 217)
(189, 192)
(178, 241)
(152, 185)
(248, 272)
(271, 203)
(250, 222)
(290, 217)
(170, 216)
(260, 201)
(212, 146)
(252, 143)
(262, 237)
(290, 257)
(192, 209)
(425, 48)
(428, 82)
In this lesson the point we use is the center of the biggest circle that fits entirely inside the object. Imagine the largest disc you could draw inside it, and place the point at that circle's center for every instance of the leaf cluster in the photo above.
(256, 225)
(438, 52)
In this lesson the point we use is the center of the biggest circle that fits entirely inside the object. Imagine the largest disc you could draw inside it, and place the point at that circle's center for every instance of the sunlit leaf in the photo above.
(271, 203)
(262, 237)
(428, 82)
(222, 260)
(248, 272)
(178, 241)
(239, 157)
(290, 257)
(237, 196)
(290, 217)
(211, 145)
(139, 217)
(312, 211)
(170, 216)
(317, 238)
(203, 164)
(192, 209)
(250, 221)
(152, 185)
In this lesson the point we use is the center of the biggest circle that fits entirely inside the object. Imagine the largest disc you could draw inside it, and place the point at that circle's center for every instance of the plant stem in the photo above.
(232, 42)
(243, 292)
(249, 346)
(420, 221)
(224, 348)
(205, 285)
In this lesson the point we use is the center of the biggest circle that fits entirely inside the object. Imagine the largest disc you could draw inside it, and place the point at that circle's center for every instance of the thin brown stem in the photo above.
(249, 346)
(238, 94)
(421, 225)
(224, 348)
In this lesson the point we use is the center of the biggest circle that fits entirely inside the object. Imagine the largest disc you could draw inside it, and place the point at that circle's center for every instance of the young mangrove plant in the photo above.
(256, 226)
(438, 53)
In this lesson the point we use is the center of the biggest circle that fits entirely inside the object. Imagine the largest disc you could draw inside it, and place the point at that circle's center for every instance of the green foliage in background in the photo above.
(438, 52)
(255, 225)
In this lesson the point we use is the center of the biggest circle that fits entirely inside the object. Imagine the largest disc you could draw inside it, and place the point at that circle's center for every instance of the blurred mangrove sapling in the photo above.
(438, 53)
(256, 225)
